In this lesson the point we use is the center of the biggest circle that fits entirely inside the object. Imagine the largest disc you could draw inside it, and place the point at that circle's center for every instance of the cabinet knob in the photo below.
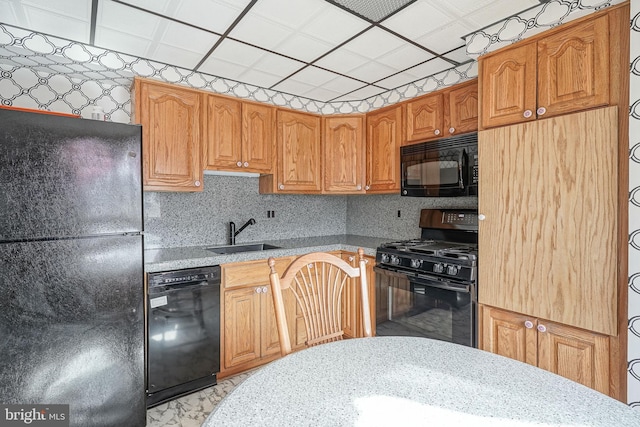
(366, 187)
(259, 290)
(452, 130)
(239, 164)
(358, 187)
(197, 183)
(541, 111)
(527, 114)
(542, 328)
(481, 217)
(265, 289)
(351, 258)
(528, 324)
(436, 132)
(245, 164)
(281, 186)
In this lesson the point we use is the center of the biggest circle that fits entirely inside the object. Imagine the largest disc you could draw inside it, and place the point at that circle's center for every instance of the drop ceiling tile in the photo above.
(237, 53)
(373, 43)
(260, 31)
(293, 87)
(314, 76)
(445, 38)
(459, 55)
(334, 25)
(498, 10)
(62, 19)
(124, 19)
(397, 80)
(188, 38)
(214, 15)
(303, 47)
(259, 78)
(322, 94)
(429, 68)
(372, 71)
(277, 65)
(290, 13)
(342, 84)
(360, 94)
(341, 61)
(122, 42)
(10, 13)
(464, 7)
(417, 19)
(221, 68)
(405, 56)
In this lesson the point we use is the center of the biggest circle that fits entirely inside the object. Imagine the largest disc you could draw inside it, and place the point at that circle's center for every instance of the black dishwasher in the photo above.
(183, 332)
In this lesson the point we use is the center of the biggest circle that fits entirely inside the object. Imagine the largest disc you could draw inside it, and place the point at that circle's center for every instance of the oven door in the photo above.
(420, 305)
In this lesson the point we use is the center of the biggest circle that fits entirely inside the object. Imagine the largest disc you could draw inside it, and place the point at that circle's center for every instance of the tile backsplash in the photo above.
(195, 219)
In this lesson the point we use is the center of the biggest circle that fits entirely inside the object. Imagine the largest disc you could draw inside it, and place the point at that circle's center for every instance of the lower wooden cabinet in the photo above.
(249, 335)
(573, 353)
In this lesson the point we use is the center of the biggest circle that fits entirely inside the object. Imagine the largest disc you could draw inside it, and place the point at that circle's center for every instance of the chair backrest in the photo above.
(317, 281)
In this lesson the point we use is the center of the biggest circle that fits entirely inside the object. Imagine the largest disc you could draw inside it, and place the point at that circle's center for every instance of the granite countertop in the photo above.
(403, 381)
(198, 256)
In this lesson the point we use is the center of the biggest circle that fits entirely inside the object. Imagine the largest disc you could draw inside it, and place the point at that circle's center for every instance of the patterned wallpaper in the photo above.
(634, 212)
(44, 72)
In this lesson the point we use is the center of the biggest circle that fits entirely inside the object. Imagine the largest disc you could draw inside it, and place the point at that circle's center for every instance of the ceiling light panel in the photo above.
(375, 10)
(65, 18)
(213, 15)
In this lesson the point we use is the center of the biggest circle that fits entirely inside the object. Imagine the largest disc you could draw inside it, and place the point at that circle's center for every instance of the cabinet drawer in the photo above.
(250, 273)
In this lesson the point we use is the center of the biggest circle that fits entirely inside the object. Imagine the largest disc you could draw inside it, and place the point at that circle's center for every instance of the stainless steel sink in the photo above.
(241, 248)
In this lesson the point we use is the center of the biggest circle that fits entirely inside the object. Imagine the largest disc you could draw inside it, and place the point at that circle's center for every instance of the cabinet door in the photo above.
(579, 355)
(299, 155)
(573, 68)
(508, 334)
(425, 118)
(344, 154)
(241, 326)
(551, 219)
(224, 126)
(170, 119)
(508, 81)
(461, 109)
(258, 143)
(384, 138)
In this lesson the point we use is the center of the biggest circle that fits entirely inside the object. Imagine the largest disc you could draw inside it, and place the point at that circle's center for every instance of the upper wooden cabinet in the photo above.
(384, 138)
(564, 70)
(444, 113)
(299, 155)
(344, 154)
(239, 135)
(573, 353)
(171, 133)
(549, 197)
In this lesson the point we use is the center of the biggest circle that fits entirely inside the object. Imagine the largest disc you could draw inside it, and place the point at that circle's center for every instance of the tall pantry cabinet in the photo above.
(552, 202)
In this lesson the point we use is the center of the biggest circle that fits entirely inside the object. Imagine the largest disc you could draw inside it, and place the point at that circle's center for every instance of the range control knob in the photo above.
(384, 258)
(395, 260)
(416, 263)
(438, 268)
(452, 270)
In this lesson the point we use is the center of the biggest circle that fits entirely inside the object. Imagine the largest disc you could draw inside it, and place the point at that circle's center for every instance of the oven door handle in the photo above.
(433, 282)
(395, 273)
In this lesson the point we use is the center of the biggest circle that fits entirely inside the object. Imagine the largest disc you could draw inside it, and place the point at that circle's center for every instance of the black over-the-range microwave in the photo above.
(447, 167)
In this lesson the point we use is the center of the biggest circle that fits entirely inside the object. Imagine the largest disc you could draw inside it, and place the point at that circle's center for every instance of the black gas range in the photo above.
(428, 286)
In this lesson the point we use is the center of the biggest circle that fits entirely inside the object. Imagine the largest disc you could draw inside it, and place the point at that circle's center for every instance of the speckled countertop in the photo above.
(402, 381)
(198, 256)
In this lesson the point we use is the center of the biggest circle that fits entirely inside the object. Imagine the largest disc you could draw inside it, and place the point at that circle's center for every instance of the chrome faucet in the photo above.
(232, 230)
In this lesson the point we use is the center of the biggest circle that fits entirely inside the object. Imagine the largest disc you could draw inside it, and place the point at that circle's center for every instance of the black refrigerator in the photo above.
(71, 267)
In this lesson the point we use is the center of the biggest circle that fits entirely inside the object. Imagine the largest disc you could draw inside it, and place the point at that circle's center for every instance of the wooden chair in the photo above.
(317, 281)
